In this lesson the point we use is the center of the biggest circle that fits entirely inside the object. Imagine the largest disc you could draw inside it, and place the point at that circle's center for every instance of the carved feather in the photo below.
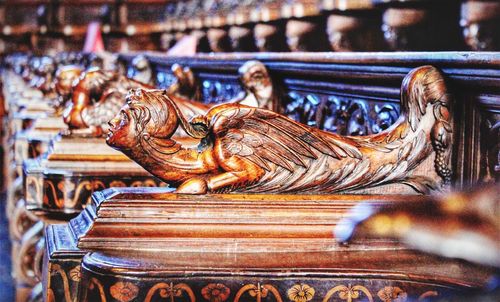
(275, 138)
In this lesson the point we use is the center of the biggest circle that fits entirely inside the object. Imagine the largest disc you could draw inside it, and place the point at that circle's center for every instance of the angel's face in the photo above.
(122, 134)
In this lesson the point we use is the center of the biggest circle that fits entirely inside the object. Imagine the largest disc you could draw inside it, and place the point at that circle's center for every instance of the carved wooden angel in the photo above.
(247, 149)
(63, 85)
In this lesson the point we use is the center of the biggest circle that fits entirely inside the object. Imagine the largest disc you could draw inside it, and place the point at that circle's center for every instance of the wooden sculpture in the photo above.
(246, 149)
(97, 97)
(43, 74)
(259, 89)
(459, 225)
(63, 85)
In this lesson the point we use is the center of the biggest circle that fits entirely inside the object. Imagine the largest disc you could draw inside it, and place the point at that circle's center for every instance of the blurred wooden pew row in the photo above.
(253, 25)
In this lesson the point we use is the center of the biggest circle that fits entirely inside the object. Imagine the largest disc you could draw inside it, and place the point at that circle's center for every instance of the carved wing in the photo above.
(104, 110)
(263, 137)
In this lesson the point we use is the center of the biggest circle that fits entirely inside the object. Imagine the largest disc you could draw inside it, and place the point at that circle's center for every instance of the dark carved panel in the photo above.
(219, 91)
(339, 114)
(164, 79)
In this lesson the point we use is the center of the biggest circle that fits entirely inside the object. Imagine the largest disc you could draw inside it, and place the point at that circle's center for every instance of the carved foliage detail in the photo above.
(171, 291)
(341, 115)
(301, 293)
(349, 293)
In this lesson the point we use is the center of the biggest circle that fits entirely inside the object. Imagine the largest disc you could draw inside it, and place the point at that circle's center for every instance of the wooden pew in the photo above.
(151, 244)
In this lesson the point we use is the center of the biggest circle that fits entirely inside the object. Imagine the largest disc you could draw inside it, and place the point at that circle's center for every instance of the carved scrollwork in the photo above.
(259, 151)
(341, 115)
(25, 272)
(258, 291)
(171, 291)
(303, 108)
(349, 293)
(355, 117)
(215, 91)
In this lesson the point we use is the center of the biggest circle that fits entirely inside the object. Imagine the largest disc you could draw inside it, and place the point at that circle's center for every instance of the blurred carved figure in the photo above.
(218, 40)
(480, 21)
(63, 85)
(97, 97)
(353, 33)
(269, 38)
(143, 72)
(304, 35)
(407, 29)
(247, 149)
(186, 84)
(242, 39)
(457, 225)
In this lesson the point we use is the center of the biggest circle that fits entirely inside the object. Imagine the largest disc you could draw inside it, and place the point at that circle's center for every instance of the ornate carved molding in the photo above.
(253, 150)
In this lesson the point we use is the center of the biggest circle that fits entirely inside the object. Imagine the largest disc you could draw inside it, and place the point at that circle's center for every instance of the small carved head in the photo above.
(143, 72)
(147, 114)
(254, 76)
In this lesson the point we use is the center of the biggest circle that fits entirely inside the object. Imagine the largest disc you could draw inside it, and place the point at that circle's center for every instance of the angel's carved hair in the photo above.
(151, 113)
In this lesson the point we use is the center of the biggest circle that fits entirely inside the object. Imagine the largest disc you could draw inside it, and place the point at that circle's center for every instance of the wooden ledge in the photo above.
(154, 219)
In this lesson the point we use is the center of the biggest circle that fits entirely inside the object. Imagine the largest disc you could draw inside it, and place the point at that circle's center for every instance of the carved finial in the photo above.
(246, 149)
(305, 35)
(218, 40)
(479, 20)
(242, 39)
(269, 38)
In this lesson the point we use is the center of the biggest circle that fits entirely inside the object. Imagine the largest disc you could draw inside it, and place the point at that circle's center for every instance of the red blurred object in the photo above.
(93, 39)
